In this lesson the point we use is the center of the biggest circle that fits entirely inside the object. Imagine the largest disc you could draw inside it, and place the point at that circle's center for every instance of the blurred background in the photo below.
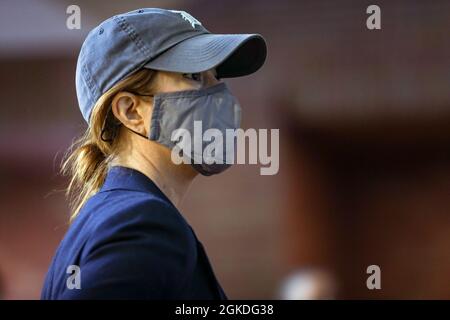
(364, 119)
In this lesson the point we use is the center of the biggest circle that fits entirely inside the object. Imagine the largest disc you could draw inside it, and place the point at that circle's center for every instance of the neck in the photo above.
(155, 162)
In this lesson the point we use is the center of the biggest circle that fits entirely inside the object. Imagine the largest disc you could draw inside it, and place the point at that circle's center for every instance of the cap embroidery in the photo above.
(186, 16)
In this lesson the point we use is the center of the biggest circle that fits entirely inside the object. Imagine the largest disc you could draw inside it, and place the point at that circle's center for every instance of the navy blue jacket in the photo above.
(130, 242)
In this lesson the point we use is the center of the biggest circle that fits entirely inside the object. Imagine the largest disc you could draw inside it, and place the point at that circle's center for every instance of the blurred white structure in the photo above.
(311, 284)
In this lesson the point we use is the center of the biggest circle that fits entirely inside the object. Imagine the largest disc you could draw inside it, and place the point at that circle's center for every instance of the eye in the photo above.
(193, 76)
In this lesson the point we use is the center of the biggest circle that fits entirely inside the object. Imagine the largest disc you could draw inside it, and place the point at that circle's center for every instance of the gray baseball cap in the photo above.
(159, 39)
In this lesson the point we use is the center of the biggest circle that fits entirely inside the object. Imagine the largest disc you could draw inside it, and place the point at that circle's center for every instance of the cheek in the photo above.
(172, 82)
(181, 85)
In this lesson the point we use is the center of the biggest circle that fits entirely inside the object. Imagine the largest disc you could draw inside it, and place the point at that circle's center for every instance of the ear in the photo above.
(129, 110)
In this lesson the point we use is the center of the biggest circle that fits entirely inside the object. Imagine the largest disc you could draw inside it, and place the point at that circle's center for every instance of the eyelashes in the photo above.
(193, 76)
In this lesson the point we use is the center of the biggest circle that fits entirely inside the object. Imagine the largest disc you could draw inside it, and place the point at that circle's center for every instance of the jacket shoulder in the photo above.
(116, 208)
(138, 213)
(138, 246)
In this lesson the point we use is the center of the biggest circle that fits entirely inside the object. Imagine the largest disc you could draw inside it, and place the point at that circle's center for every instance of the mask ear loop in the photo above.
(106, 128)
(117, 124)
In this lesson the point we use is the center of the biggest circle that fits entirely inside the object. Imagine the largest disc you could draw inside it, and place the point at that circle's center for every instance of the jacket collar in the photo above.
(124, 178)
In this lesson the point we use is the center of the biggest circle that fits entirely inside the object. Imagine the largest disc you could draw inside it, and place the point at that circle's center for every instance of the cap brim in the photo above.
(233, 55)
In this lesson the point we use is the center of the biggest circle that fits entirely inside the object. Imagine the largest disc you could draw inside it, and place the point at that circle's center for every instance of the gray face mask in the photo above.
(178, 113)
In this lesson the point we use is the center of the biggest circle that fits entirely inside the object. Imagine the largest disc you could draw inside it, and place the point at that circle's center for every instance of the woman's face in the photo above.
(135, 112)
(171, 82)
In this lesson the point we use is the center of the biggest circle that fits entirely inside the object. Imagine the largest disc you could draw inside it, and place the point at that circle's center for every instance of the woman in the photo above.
(141, 76)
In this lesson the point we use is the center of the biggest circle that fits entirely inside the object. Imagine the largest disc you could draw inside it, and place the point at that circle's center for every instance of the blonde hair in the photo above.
(86, 161)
